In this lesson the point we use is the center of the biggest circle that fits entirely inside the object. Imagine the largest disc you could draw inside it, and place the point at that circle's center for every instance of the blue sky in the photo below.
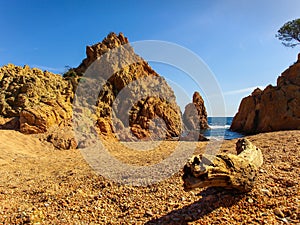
(234, 38)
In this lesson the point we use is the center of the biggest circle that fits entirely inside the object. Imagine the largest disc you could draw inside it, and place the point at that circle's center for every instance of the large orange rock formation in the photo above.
(35, 101)
(145, 104)
(274, 108)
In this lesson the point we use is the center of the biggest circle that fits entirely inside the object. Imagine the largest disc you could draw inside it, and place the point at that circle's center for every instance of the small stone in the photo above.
(148, 213)
(250, 200)
(278, 212)
(261, 171)
(284, 220)
(265, 190)
(294, 216)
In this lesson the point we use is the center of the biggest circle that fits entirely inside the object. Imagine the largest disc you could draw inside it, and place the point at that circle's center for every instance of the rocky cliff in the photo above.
(274, 108)
(35, 101)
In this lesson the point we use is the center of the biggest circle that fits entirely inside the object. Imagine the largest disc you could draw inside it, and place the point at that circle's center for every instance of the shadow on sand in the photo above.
(212, 199)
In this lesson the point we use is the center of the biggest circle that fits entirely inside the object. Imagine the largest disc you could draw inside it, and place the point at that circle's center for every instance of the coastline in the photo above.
(220, 129)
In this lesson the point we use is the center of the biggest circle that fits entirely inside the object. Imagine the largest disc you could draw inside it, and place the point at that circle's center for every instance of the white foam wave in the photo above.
(219, 126)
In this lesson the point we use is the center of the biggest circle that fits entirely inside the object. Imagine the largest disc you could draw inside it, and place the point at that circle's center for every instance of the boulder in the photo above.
(274, 108)
(60, 136)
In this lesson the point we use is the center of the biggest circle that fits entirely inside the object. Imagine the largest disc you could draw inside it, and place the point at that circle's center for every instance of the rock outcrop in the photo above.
(33, 99)
(36, 102)
(130, 100)
(195, 115)
(274, 108)
(97, 50)
(134, 101)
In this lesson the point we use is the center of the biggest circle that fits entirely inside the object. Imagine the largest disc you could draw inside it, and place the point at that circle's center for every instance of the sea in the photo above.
(219, 129)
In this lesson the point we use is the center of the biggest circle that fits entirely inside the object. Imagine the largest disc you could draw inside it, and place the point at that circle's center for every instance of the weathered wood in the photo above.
(225, 170)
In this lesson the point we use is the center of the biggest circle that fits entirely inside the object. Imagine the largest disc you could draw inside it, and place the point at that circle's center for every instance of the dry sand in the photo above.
(41, 185)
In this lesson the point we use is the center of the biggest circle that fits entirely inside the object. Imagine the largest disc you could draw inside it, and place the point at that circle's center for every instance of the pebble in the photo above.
(149, 213)
(278, 212)
(250, 200)
(265, 190)
(164, 203)
(284, 220)
(294, 216)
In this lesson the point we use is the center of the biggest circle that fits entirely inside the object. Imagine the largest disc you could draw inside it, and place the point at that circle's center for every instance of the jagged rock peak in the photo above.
(95, 51)
(149, 99)
(195, 115)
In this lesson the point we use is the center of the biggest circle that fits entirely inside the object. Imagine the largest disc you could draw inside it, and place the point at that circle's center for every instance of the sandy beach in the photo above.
(115, 113)
(41, 185)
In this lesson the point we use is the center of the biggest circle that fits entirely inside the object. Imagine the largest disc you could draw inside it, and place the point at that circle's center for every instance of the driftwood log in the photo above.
(225, 170)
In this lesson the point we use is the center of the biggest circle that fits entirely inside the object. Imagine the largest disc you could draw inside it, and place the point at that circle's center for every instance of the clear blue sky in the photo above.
(235, 38)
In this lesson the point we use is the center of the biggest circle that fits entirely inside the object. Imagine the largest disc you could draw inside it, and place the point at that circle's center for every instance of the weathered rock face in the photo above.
(125, 95)
(274, 108)
(134, 101)
(195, 115)
(35, 99)
(96, 51)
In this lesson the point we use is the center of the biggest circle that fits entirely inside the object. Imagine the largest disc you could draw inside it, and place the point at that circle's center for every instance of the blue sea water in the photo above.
(219, 129)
